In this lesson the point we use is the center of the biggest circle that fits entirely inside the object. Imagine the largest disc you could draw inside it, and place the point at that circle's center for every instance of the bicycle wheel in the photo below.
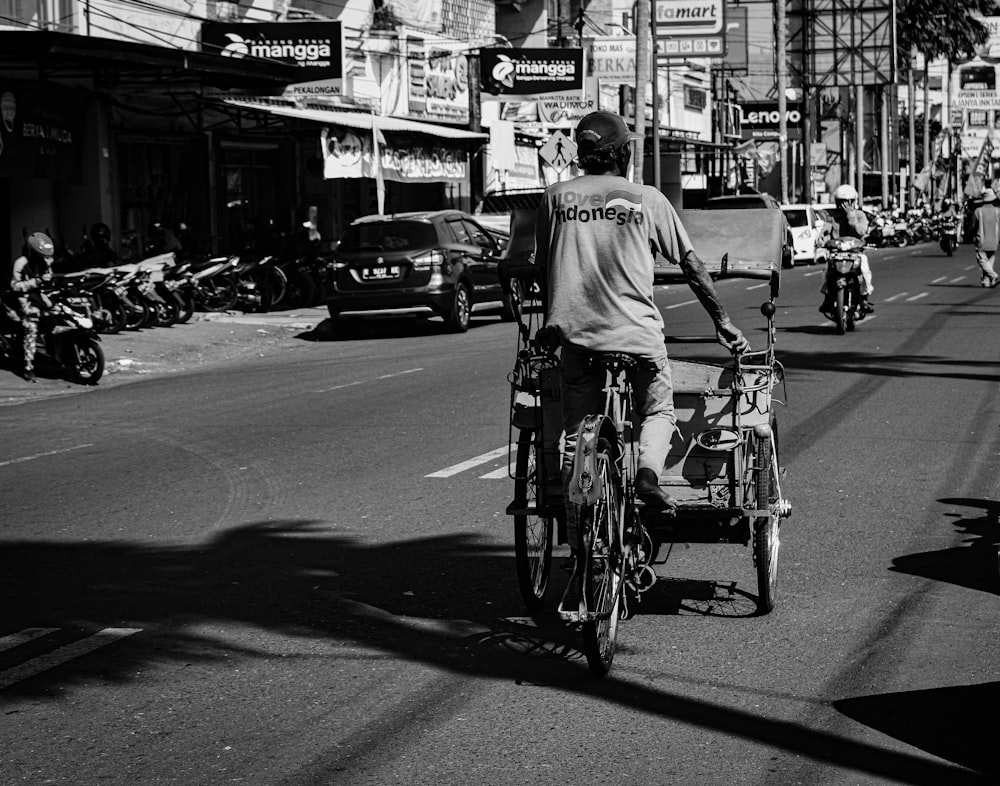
(765, 531)
(604, 566)
(532, 530)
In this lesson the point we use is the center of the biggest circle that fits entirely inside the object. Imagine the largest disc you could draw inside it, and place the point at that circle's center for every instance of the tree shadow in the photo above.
(972, 565)
(443, 601)
(957, 724)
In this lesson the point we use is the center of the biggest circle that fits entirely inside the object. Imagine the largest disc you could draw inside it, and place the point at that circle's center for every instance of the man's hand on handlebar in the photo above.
(731, 337)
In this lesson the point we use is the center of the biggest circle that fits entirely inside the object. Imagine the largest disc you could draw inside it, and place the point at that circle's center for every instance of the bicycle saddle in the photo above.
(612, 359)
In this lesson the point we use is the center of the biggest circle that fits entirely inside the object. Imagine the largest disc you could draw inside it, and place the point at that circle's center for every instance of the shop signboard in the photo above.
(529, 74)
(438, 80)
(348, 153)
(690, 28)
(761, 118)
(315, 47)
(612, 59)
(41, 131)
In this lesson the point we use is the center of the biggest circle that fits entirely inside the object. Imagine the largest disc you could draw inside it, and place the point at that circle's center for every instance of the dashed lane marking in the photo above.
(757, 286)
(447, 472)
(62, 654)
(956, 280)
(497, 474)
(917, 297)
(46, 453)
(365, 381)
(678, 305)
(813, 273)
(23, 637)
(939, 279)
(897, 296)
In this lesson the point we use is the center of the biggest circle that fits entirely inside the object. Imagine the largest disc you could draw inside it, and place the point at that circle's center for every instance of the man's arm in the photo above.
(704, 289)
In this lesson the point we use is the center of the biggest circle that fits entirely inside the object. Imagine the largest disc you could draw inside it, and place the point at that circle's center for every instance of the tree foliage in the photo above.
(942, 28)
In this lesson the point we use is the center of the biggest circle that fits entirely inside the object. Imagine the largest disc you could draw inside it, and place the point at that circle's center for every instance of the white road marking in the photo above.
(758, 286)
(59, 656)
(447, 472)
(813, 273)
(497, 474)
(896, 297)
(678, 305)
(365, 381)
(23, 637)
(939, 279)
(956, 280)
(43, 455)
(917, 297)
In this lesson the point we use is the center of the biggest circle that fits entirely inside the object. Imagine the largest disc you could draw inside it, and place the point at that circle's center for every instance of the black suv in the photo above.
(438, 262)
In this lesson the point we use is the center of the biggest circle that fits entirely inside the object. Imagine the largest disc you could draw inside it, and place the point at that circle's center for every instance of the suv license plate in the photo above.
(370, 273)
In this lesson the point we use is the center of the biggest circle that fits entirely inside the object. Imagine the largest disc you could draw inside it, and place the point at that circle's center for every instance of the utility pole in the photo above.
(642, 27)
(911, 107)
(782, 98)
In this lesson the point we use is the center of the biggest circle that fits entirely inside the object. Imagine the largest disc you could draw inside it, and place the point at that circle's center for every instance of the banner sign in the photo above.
(761, 118)
(612, 59)
(526, 74)
(349, 153)
(438, 81)
(690, 28)
(316, 47)
(41, 131)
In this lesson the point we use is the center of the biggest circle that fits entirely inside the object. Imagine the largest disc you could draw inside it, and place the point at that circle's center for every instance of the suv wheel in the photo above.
(457, 320)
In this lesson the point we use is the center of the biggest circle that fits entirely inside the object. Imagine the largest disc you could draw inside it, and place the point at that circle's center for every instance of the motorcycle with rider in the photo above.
(847, 286)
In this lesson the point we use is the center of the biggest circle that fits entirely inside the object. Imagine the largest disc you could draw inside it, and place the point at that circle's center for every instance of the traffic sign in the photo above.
(558, 151)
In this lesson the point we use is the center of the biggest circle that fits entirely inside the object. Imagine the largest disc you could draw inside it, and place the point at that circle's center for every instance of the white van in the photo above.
(809, 233)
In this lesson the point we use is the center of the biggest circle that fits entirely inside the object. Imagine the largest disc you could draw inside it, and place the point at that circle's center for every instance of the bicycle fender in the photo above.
(585, 487)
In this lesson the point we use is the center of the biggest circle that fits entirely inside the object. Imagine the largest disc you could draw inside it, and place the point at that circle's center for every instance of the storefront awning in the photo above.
(360, 120)
(68, 55)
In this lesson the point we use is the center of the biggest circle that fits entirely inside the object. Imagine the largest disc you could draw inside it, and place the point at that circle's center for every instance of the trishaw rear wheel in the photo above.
(532, 530)
(765, 530)
(604, 567)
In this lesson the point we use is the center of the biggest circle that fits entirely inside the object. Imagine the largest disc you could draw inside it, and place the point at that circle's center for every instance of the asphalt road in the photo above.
(294, 567)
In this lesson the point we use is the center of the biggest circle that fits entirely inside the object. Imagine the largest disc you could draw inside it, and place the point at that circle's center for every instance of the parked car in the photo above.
(440, 262)
(809, 233)
(756, 201)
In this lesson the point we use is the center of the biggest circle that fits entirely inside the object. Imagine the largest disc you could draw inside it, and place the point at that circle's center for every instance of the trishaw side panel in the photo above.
(699, 404)
(750, 241)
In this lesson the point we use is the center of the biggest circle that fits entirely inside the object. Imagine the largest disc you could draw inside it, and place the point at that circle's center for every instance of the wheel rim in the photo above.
(532, 531)
(462, 306)
(603, 575)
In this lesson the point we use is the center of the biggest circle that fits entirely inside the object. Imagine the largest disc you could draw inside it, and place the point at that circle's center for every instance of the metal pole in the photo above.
(859, 141)
(656, 98)
(911, 107)
(886, 193)
(779, 34)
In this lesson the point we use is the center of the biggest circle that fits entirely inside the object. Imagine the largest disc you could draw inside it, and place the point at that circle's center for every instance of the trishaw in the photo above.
(722, 467)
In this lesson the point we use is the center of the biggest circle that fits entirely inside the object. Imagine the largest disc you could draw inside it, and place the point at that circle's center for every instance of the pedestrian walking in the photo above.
(986, 231)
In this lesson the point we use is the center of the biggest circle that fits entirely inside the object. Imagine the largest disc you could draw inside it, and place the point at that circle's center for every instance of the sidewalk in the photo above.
(207, 338)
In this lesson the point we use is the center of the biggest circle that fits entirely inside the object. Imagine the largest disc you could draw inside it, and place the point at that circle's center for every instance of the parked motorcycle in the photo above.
(66, 335)
(843, 281)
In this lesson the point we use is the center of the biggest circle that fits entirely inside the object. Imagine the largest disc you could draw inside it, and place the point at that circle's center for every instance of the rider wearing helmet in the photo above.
(31, 269)
(97, 250)
(595, 236)
(849, 222)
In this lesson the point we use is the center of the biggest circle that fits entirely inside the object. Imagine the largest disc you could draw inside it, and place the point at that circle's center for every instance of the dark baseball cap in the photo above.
(602, 131)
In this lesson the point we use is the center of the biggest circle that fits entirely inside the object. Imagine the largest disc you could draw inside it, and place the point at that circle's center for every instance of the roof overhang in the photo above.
(68, 55)
(360, 120)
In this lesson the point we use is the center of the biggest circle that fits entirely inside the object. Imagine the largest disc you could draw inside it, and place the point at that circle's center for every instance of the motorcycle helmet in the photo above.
(845, 193)
(41, 245)
(100, 232)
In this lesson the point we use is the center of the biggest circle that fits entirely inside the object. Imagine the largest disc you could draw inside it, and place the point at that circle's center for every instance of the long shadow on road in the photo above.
(434, 601)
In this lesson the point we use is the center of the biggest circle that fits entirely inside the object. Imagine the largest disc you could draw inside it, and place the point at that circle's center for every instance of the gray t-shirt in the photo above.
(597, 235)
